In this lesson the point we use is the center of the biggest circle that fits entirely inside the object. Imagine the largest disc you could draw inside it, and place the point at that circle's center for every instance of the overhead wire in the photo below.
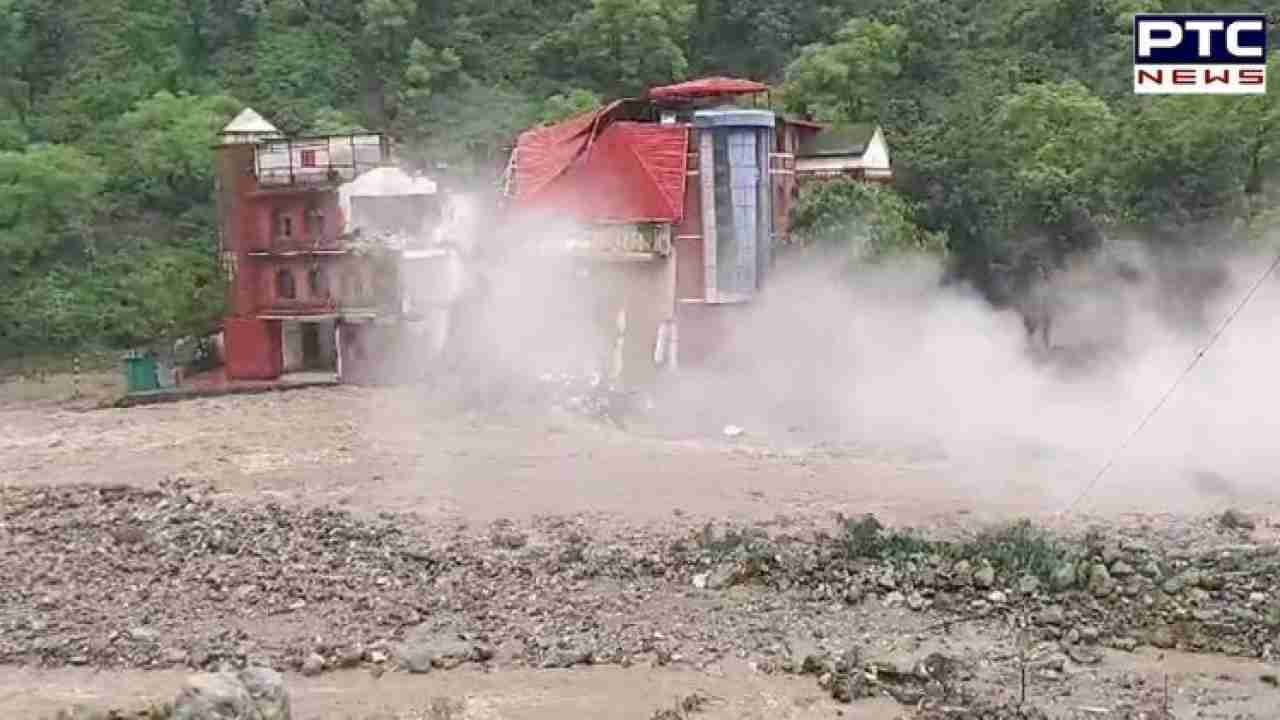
(1168, 393)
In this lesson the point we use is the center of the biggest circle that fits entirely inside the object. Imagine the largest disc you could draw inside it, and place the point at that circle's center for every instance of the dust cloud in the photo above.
(888, 357)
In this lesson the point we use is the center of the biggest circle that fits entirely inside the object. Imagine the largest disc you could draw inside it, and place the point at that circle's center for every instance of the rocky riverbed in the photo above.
(118, 577)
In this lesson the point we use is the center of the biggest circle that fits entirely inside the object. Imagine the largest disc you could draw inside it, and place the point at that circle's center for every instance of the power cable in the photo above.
(1195, 360)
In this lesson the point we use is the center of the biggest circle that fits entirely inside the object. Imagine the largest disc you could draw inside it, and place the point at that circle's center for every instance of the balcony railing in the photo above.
(620, 240)
(318, 161)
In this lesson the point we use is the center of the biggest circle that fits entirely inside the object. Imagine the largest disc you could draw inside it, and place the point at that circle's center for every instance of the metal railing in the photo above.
(315, 161)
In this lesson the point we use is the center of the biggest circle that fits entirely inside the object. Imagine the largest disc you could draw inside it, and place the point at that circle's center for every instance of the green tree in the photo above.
(619, 47)
(331, 121)
(384, 42)
(48, 195)
(479, 145)
(428, 71)
(565, 105)
(848, 78)
(161, 157)
(871, 220)
(298, 71)
(1053, 140)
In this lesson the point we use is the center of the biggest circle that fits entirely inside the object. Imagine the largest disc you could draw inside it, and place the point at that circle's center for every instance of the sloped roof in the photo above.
(707, 87)
(542, 154)
(633, 172)
(839, 140)
(250, 122)
(608, 170)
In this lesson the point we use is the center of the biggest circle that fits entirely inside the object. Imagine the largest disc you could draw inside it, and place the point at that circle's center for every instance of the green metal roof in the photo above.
(839, 140)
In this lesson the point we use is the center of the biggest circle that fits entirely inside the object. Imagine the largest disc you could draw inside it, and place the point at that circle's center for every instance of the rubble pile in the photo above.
(120, 576)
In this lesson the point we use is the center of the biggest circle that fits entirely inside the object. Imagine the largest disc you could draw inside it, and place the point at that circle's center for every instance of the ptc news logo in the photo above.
(1215, 54)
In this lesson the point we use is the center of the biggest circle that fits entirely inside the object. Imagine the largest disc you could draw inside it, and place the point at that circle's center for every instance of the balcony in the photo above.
(311, 162)
(620, 242)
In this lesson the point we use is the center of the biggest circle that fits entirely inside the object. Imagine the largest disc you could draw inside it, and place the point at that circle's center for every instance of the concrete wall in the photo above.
(291, 345)
(646, 291)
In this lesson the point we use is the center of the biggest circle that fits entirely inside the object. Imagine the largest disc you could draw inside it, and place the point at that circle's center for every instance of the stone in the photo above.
(1090, 634)
(1152, 570)
(723, 576)
(1172, 586)
(916, 601)
(1064, 577)
(894, 599)
(1161, 637)
(425, 648)
(413, 657)
(1209, 581)
(175, 656)
(1256, 598)
(700, 580)
(447, 654)
(962, 573)
(266, 688)
(1084, 655)
(985, 575)
(1028, 585)
(351, 656)
(567, 658)
(1073, 636)
(1121, 569)
(1236, 520)
(313, 665)
(1100, 583)
(1134, 587)
(997, 597)
(213, 696)
(1052, 615)
(143, 634)
(887, 581)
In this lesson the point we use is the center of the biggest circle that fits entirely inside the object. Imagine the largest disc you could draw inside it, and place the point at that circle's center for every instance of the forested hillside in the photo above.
(1013, 123)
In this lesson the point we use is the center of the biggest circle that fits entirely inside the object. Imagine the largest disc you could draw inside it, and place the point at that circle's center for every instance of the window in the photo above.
(284, 224)
(316, 283)
(315, 222)
(285, 288)
(309, 159)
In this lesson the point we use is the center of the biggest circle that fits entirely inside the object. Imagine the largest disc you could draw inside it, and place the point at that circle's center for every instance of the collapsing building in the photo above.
(678, 199)
(313, 232)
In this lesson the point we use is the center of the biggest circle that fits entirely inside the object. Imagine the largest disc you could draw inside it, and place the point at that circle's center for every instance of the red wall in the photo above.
(254, 349)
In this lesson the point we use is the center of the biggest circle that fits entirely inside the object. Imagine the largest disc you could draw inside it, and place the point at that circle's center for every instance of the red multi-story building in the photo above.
(678, 199)
(299, 296)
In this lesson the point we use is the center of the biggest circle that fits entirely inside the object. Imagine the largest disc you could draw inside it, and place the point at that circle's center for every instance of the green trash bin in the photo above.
(140, 372)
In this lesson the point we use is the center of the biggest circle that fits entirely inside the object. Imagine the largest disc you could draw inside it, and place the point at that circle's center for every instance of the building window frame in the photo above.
(286, 287)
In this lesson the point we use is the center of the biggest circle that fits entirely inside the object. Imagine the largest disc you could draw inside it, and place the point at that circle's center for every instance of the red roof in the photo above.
(707, 87)
(543, 153)
(604, 171)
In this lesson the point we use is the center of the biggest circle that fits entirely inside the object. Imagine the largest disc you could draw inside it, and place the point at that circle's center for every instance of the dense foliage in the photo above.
(1008, 120)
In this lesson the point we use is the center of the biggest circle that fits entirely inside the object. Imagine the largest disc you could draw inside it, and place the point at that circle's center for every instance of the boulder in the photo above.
(214, 696)
(266, 689)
